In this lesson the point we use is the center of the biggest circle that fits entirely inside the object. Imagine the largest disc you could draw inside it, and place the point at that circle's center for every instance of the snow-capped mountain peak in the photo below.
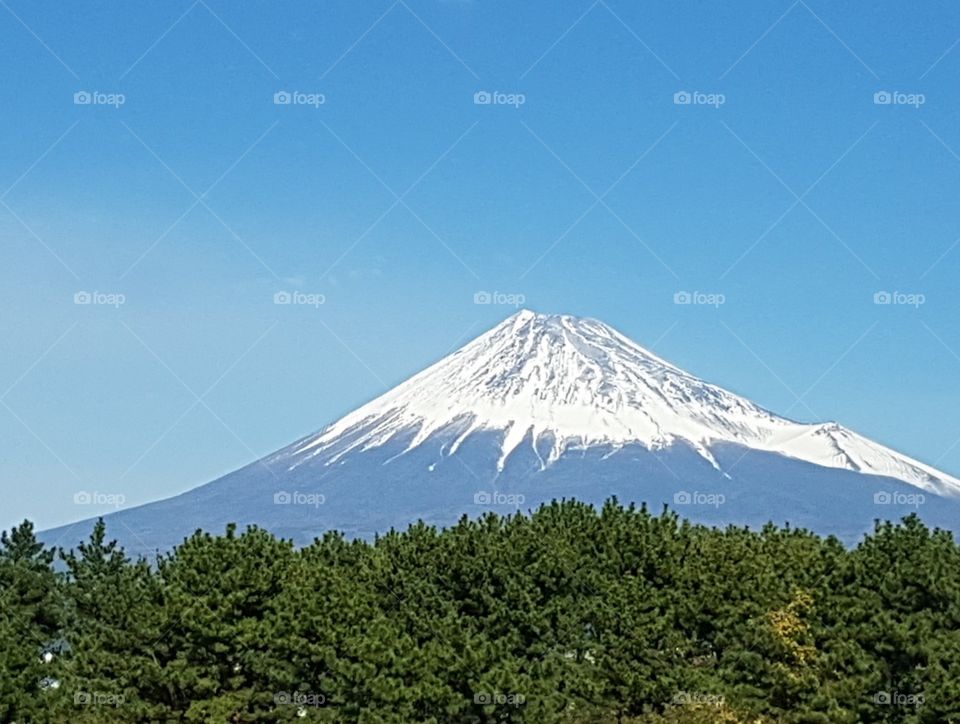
(542, 408)
(566, 382)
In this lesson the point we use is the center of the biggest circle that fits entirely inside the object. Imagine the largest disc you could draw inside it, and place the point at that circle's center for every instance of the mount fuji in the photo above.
(545, 407)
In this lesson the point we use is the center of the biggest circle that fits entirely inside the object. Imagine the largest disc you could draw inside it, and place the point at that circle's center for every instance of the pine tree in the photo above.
(114, 631)
(30, 619)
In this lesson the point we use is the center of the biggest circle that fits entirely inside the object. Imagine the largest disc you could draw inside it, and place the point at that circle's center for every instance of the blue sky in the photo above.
(784, 187)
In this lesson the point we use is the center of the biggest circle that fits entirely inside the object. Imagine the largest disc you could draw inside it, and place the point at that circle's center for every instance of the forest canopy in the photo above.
(569, 614)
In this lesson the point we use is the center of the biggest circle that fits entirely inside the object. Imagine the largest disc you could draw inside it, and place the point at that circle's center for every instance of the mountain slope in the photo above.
(543, 407)
(581, 383)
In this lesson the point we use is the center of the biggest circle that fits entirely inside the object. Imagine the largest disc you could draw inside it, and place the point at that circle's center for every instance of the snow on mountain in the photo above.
(567, 383)
(545, 408)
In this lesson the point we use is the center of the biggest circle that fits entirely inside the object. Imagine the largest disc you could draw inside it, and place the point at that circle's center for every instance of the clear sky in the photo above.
(186, 198)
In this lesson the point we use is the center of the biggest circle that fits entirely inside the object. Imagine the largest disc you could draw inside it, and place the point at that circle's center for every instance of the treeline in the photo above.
(570, 615)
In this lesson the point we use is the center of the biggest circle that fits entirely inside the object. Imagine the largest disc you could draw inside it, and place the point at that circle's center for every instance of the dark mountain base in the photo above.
(379, 489)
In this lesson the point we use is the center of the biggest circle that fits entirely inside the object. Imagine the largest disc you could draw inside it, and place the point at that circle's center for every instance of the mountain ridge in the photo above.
(547, 407)
(607, 389)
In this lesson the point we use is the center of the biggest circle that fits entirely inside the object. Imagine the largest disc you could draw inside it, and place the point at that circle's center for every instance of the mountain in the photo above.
(552, 406)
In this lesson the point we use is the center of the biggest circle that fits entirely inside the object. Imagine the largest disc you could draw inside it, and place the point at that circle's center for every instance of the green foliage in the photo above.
(571, 615)
(30, 617)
